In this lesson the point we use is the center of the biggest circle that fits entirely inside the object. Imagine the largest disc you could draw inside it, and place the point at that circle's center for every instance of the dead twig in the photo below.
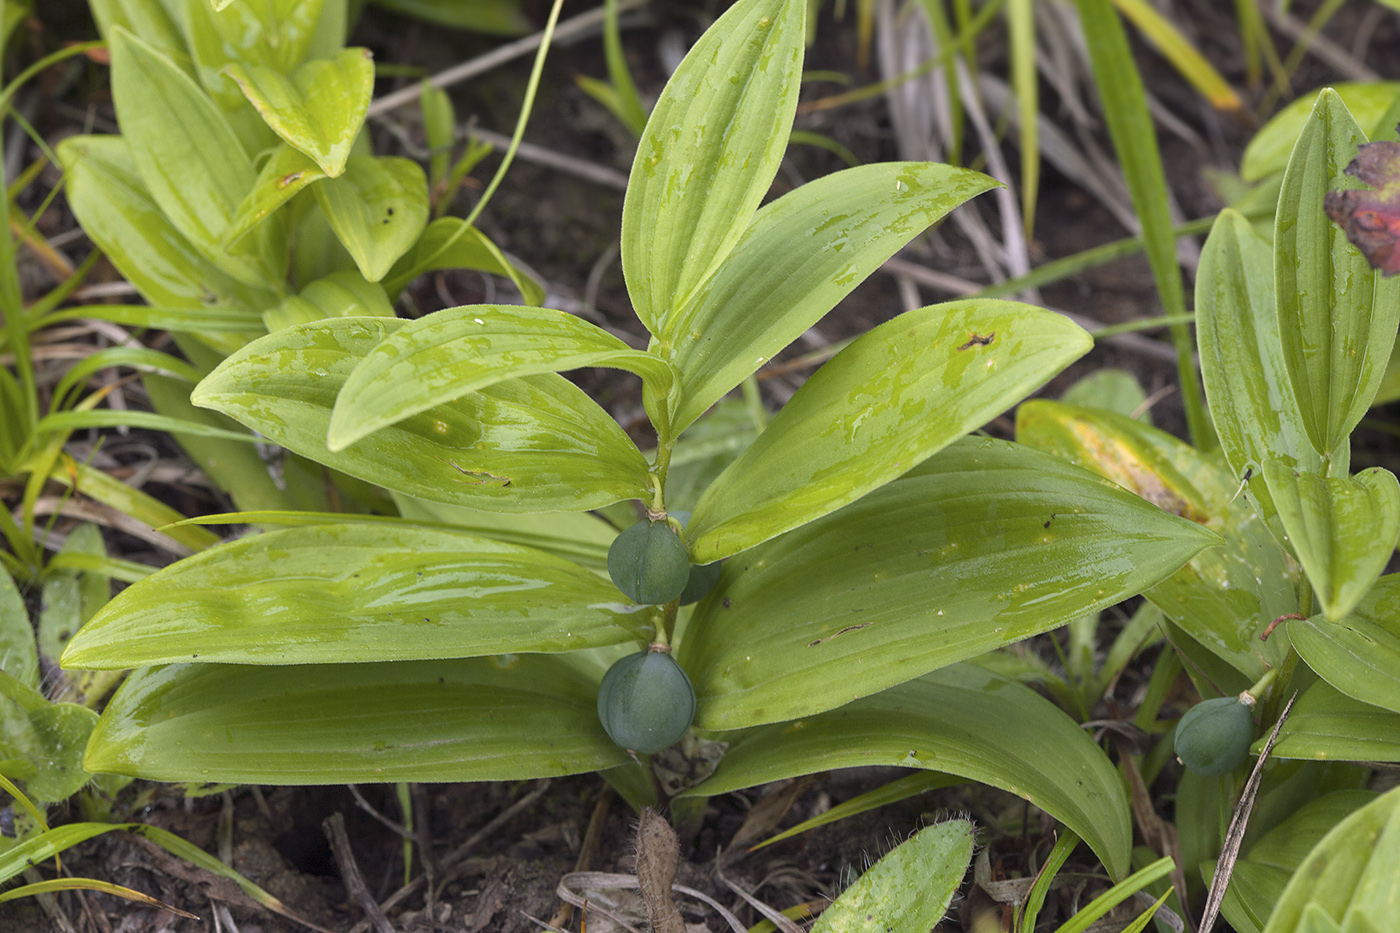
(334, 825)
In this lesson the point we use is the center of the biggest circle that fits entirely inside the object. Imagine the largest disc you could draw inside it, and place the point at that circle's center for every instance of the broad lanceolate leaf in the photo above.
(1349, 878)
(527, 445)
(1251, 399)
(1268, 152)
(448, 243)
(477, 719)
(962, 720)
(581, 537)
(1224, 597)
(119, 214)
(190, 160)
(709, 152)
(1337, 316)
(1260, 876)
(18, 657)
(350, 593)
(1330, 726)
(318, 110)
(1343, 530)
(908, 889)
(377, 209)
(1359, 655)
(985, 544)
(276, 34)
(451, 353)
(152, 20)
(800, 256)
(285, 173)
(340, 294)
(879, 407)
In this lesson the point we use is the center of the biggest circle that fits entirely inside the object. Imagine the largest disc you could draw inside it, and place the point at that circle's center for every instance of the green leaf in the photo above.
(189, 158)
(377, 209)
(320, 109)
(41, 743)
(352, 593)
(1359, 655)
(285, 173)
(800, 256)
(1224, 597)
(119, 214)
(581, 537)
(1337, 317)
(477, 719)
(1262, 873)
(18, 656)
(1328, 725)
(71, 599)
(527, 445)
(1349, 877)
(882, 405)
(962, 720)
(1343, 530)
(1112, 390)
(1268, 152)
(340, 294)
(494, 17)
(909, 888)
(1251, 399)
(277, 34)
(446, 355)
(46, 845)
(710, 152)
(448, 243)
(152, 20)
(985, 544)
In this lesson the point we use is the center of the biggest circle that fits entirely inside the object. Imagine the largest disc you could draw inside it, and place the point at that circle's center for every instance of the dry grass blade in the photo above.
(571, 883)
(1235, 834)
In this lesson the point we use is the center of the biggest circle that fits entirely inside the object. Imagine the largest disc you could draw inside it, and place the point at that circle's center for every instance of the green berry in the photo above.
(646, 702)
(649, 563)
(1213, 737)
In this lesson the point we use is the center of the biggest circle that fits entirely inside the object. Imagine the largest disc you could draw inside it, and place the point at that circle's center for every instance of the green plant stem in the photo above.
(1263, 683)
(1151, 323)
(531, 87)
(47, 61)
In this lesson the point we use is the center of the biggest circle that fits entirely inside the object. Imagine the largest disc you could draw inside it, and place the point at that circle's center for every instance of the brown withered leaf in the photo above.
(1371, 219)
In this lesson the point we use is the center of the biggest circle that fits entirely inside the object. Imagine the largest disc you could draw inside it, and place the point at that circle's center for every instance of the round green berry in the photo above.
(1213, 737)
(646, 702)
(649, 563)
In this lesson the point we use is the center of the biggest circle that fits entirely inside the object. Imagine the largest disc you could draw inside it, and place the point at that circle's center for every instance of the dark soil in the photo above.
(566, 229)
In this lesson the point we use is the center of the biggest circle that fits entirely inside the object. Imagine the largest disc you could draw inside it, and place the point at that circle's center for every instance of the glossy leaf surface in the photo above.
(377, 209)
(477, 719)
(533, 444)
(1336, 315)
(908, 889)
(443, 356)
(985, 544)
(581, 537)
(1328, 725)
(962, 720)
(318, 110)
(339, 594)
(1360, 654)
(801, 255)
(1224, 597)
(118, 213)
(1349, 878)
(709, 152)
(448, 244)
(1251, 399)
(882, 405)
(1343, 530)
(340, 294)
(285, 173)
(189, 158)
(277, 34)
